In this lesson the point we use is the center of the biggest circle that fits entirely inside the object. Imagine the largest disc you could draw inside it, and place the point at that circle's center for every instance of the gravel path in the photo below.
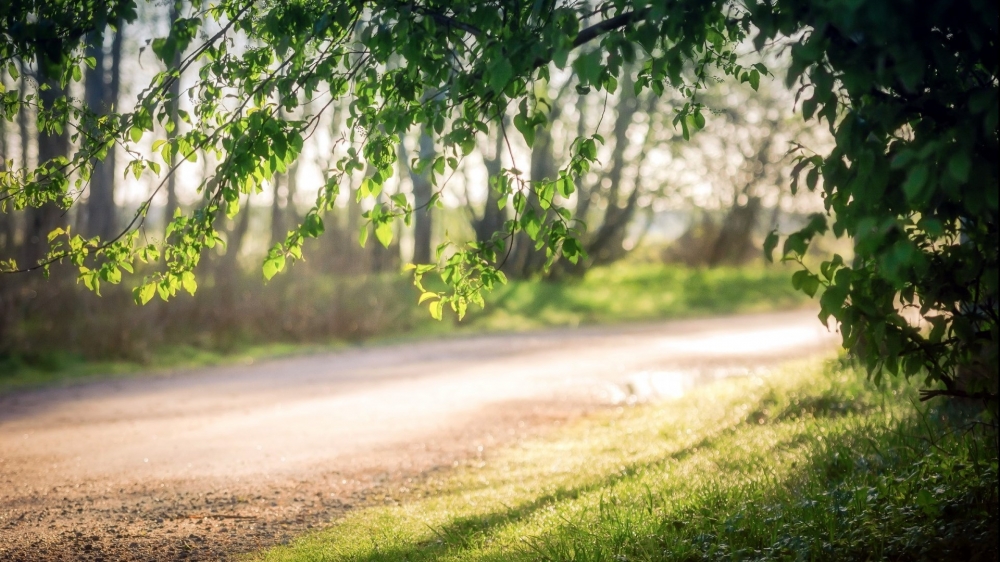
(203, 464)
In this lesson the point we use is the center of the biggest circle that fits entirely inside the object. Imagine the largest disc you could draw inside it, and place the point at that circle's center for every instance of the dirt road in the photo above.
(198, 465)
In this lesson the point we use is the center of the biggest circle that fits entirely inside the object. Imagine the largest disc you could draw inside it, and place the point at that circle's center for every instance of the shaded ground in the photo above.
(203, 464)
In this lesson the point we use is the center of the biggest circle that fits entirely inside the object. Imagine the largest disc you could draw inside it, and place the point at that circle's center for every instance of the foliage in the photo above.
(50, 32)
(452, 69)
(910, 94)
(807, 464)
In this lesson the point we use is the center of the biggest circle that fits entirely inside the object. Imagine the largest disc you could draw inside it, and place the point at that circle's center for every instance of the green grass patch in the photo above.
(810, 463)
(638, 292)
(57, 368)
(623, 292)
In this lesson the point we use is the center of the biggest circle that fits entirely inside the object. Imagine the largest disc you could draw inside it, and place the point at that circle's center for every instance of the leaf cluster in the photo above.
(910, 95)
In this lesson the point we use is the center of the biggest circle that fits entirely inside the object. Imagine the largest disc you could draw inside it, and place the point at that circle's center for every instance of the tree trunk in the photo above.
(102, 97)
(351, 249)
(605, 243)
(292, 218)
(174, 98)
(42, 220)
(7, 226)
(735, 242)
(22, 121)
(283, 213)
(493, 216)
(228, 264)
(7, 229)
(278, 227)
(422, 191)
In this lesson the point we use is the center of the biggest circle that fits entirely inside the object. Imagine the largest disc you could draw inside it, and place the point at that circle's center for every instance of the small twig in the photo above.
(926, 395)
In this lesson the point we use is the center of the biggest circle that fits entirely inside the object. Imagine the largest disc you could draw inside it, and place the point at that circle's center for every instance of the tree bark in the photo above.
(605, 244)
(278, 227)
(423, 190)
(493, 217)
(735, 242)
(174, 101)
(7, 226)
(102, 87)
(22, 121)
(41, 220)
(229, 265)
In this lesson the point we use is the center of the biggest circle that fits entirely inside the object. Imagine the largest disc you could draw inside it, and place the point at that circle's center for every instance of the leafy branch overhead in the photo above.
(910, 95)
(454, 70)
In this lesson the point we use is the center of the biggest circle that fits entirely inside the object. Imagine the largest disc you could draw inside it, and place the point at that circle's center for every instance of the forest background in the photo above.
(674, 226)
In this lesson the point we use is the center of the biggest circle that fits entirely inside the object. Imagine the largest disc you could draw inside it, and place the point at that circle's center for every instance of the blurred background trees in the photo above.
(704, 202)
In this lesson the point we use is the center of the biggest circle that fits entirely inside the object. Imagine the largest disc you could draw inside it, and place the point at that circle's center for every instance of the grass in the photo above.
(810, 463)
(638, 292)
(620, 293)
(60, 368)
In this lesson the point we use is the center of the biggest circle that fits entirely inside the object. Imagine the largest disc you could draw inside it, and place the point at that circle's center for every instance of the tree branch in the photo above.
(600, 28)
(449, 21)
(926, 395)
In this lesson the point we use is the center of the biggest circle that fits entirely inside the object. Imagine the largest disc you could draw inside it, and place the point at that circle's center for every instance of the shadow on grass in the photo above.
(872, 489)
(464, 533)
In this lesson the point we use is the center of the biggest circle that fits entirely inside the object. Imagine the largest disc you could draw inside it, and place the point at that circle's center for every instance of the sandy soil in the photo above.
(204, 464)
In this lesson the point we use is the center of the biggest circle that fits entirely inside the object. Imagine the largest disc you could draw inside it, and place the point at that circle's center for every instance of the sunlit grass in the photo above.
(638, 292)
(808, 464)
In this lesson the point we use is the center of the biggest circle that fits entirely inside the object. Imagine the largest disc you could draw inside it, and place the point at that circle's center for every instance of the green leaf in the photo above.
(812, 178)
(437, 309)
(188, 282)
(959, 166)
(832, 300)
(810, 284)
(588, 67)
(531, 223)
(383, 232)
(526, 128)
(312, 225)
(363, 235)
(805, 281)
(770, 243)
(915, 180)
(146, 292)
(55, 234)
(500, 73)
(565, 186)
(164, 49)
(365, 189)
(273, 265)
(795, 244)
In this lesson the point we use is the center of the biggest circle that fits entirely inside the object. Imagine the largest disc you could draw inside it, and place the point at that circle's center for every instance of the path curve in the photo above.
(200, 464)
